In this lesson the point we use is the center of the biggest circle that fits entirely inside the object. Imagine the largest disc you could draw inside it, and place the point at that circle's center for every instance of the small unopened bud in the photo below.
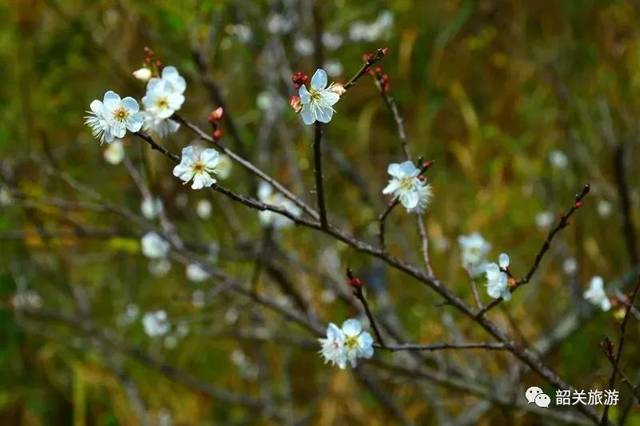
(384, 51)
(215, 115)
(217, 134)
(142, 74)
(337, 88)
(353, 281)
(607, 347)
(578, 204)
(299, 78)
(511, 282)
(295, 103)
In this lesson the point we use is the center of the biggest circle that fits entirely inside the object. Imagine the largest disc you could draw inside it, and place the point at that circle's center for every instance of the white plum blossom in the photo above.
(303, 46)
(161, 127)
(357, 343)
(595, 294)
(317, 101)
(413, 192)
(165, 96)
(114, 153)
(151, 207)
(497, 279)
(159, 267)
(332, 41)
(26, 298)
(162, 100)
(332, 347)
(142, 74)
(362, 31)
(110, 118)
(346, 345)
(154, 246)
(197, 164)
(6, 199)
(558, 159)
(474, 251)
(604, 208)
(196, 273)
(129, 315)
(333, 68)
(544, 219)
(279, 24)
(570, 266)
(267, 195)
(171, 75)
(156, 323)
(203, 209)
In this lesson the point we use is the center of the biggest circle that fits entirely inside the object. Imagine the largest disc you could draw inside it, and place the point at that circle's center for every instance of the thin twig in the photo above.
(524, 355)
(562, 223)
(635, 390)
(618, 356)
(249, 166)
(442, 346)
(317, 172)
(371, 60)
(404, 144)
(357, 285)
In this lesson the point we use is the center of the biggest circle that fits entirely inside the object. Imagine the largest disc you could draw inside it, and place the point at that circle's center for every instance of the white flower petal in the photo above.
(308, 115)
(130, 104)
(319, 79)
(351, 327)
(111, 100)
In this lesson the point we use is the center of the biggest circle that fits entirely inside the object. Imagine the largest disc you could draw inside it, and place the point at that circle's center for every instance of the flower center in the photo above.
(406, 184)
(198, 167)
(120, 114)
(315, 95)
(351, 342)
(162, 103)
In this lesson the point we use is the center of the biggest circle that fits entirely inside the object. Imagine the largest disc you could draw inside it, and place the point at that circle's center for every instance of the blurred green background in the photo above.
(519, 103)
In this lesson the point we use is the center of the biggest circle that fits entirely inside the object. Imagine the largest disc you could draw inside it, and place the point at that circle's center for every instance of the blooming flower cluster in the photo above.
(165, 96)
(474, 251)
(498, 279)
(110, 118)
(267, 195)
(596, 295)
(412, 191)
(197, 165)
(347, 344)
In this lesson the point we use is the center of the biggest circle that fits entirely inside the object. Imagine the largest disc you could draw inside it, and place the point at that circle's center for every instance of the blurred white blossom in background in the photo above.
(151, 207)
(154, 246)
(156, 323)
(474, 251)
(558, 159)
(596, 295)
(380, 28)
(114, 152)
